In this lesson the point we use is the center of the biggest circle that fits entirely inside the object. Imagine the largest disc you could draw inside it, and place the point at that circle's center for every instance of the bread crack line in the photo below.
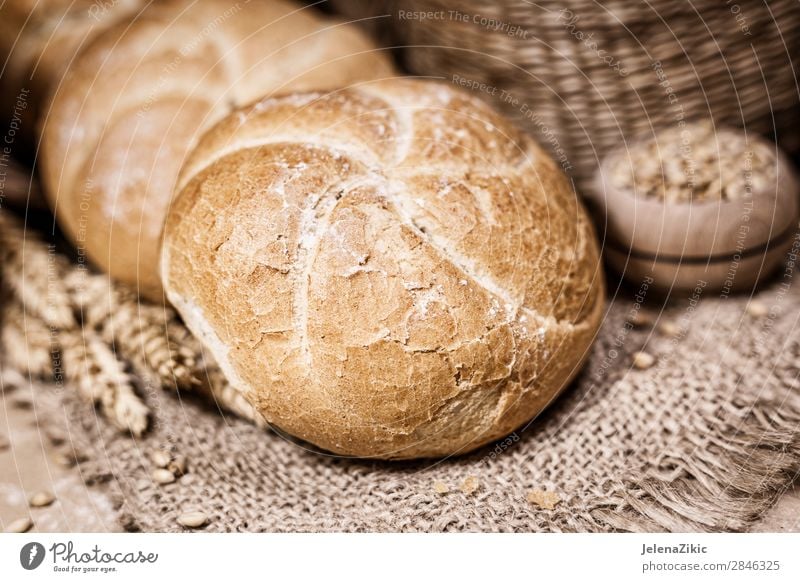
(317, 227)
(403, 211)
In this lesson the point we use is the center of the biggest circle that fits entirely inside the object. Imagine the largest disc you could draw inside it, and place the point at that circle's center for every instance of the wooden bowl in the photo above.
(717, 245)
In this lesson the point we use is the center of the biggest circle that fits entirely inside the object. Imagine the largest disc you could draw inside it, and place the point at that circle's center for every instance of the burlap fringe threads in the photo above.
(723, 482)
(63, 324)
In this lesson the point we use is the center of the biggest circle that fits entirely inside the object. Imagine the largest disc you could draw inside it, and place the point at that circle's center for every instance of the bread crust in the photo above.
(387, 271)
(134, 102)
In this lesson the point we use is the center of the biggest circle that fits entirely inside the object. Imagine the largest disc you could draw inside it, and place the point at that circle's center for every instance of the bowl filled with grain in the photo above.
(696, 205)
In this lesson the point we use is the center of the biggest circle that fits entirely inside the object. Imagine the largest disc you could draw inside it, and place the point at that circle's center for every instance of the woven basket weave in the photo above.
(732, 62)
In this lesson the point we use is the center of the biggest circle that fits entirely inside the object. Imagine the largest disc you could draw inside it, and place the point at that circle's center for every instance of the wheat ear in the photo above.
(112, 321)
(27, 342)
(138, 331)
(141, 333)
(92, 296)
(100, 378)
(217, 387)
(34, 273)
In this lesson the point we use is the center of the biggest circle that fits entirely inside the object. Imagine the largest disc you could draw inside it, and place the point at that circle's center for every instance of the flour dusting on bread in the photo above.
(418, 284)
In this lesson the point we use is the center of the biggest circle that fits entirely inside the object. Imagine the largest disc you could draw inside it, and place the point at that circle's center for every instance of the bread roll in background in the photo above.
(386, 271)
(135, 100)
(38, 40)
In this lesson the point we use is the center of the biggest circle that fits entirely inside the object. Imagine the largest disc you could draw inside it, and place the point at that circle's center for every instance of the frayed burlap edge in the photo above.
(755, 458)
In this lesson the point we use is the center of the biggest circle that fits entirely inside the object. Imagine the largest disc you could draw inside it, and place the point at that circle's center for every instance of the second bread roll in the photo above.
(390, 271)
(136, 99)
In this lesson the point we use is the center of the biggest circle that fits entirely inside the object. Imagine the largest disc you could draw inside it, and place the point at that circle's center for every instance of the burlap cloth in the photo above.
(706, 439)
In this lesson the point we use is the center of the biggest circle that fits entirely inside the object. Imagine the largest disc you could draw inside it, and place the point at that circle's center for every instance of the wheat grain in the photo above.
(643, 360)
(41, 499)
(20, 525)
(161, 458)
(441, 488)
(756, 308)
(178, 466)
(544, 499)
(64, 460)
(193, 519)
(469, 486)
(163, 476)
(670, 328)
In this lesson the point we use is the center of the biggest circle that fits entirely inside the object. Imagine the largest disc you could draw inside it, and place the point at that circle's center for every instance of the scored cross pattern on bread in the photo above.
(389, 270)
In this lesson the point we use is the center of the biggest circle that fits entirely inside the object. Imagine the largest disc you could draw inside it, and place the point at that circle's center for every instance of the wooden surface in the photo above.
(27, 466)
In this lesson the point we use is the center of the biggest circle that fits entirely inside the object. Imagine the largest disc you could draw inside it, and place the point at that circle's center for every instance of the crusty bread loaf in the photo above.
(134, 101)
(387, 271)
(38, 40)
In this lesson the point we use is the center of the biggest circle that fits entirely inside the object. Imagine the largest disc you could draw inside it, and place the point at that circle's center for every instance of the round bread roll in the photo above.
(136, 99)
(385, 271)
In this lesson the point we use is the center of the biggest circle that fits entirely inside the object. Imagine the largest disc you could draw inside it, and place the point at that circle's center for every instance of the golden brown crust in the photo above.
(135, 100)
(389, 271)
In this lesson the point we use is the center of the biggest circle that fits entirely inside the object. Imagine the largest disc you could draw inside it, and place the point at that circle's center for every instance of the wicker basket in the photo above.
(661, 61)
